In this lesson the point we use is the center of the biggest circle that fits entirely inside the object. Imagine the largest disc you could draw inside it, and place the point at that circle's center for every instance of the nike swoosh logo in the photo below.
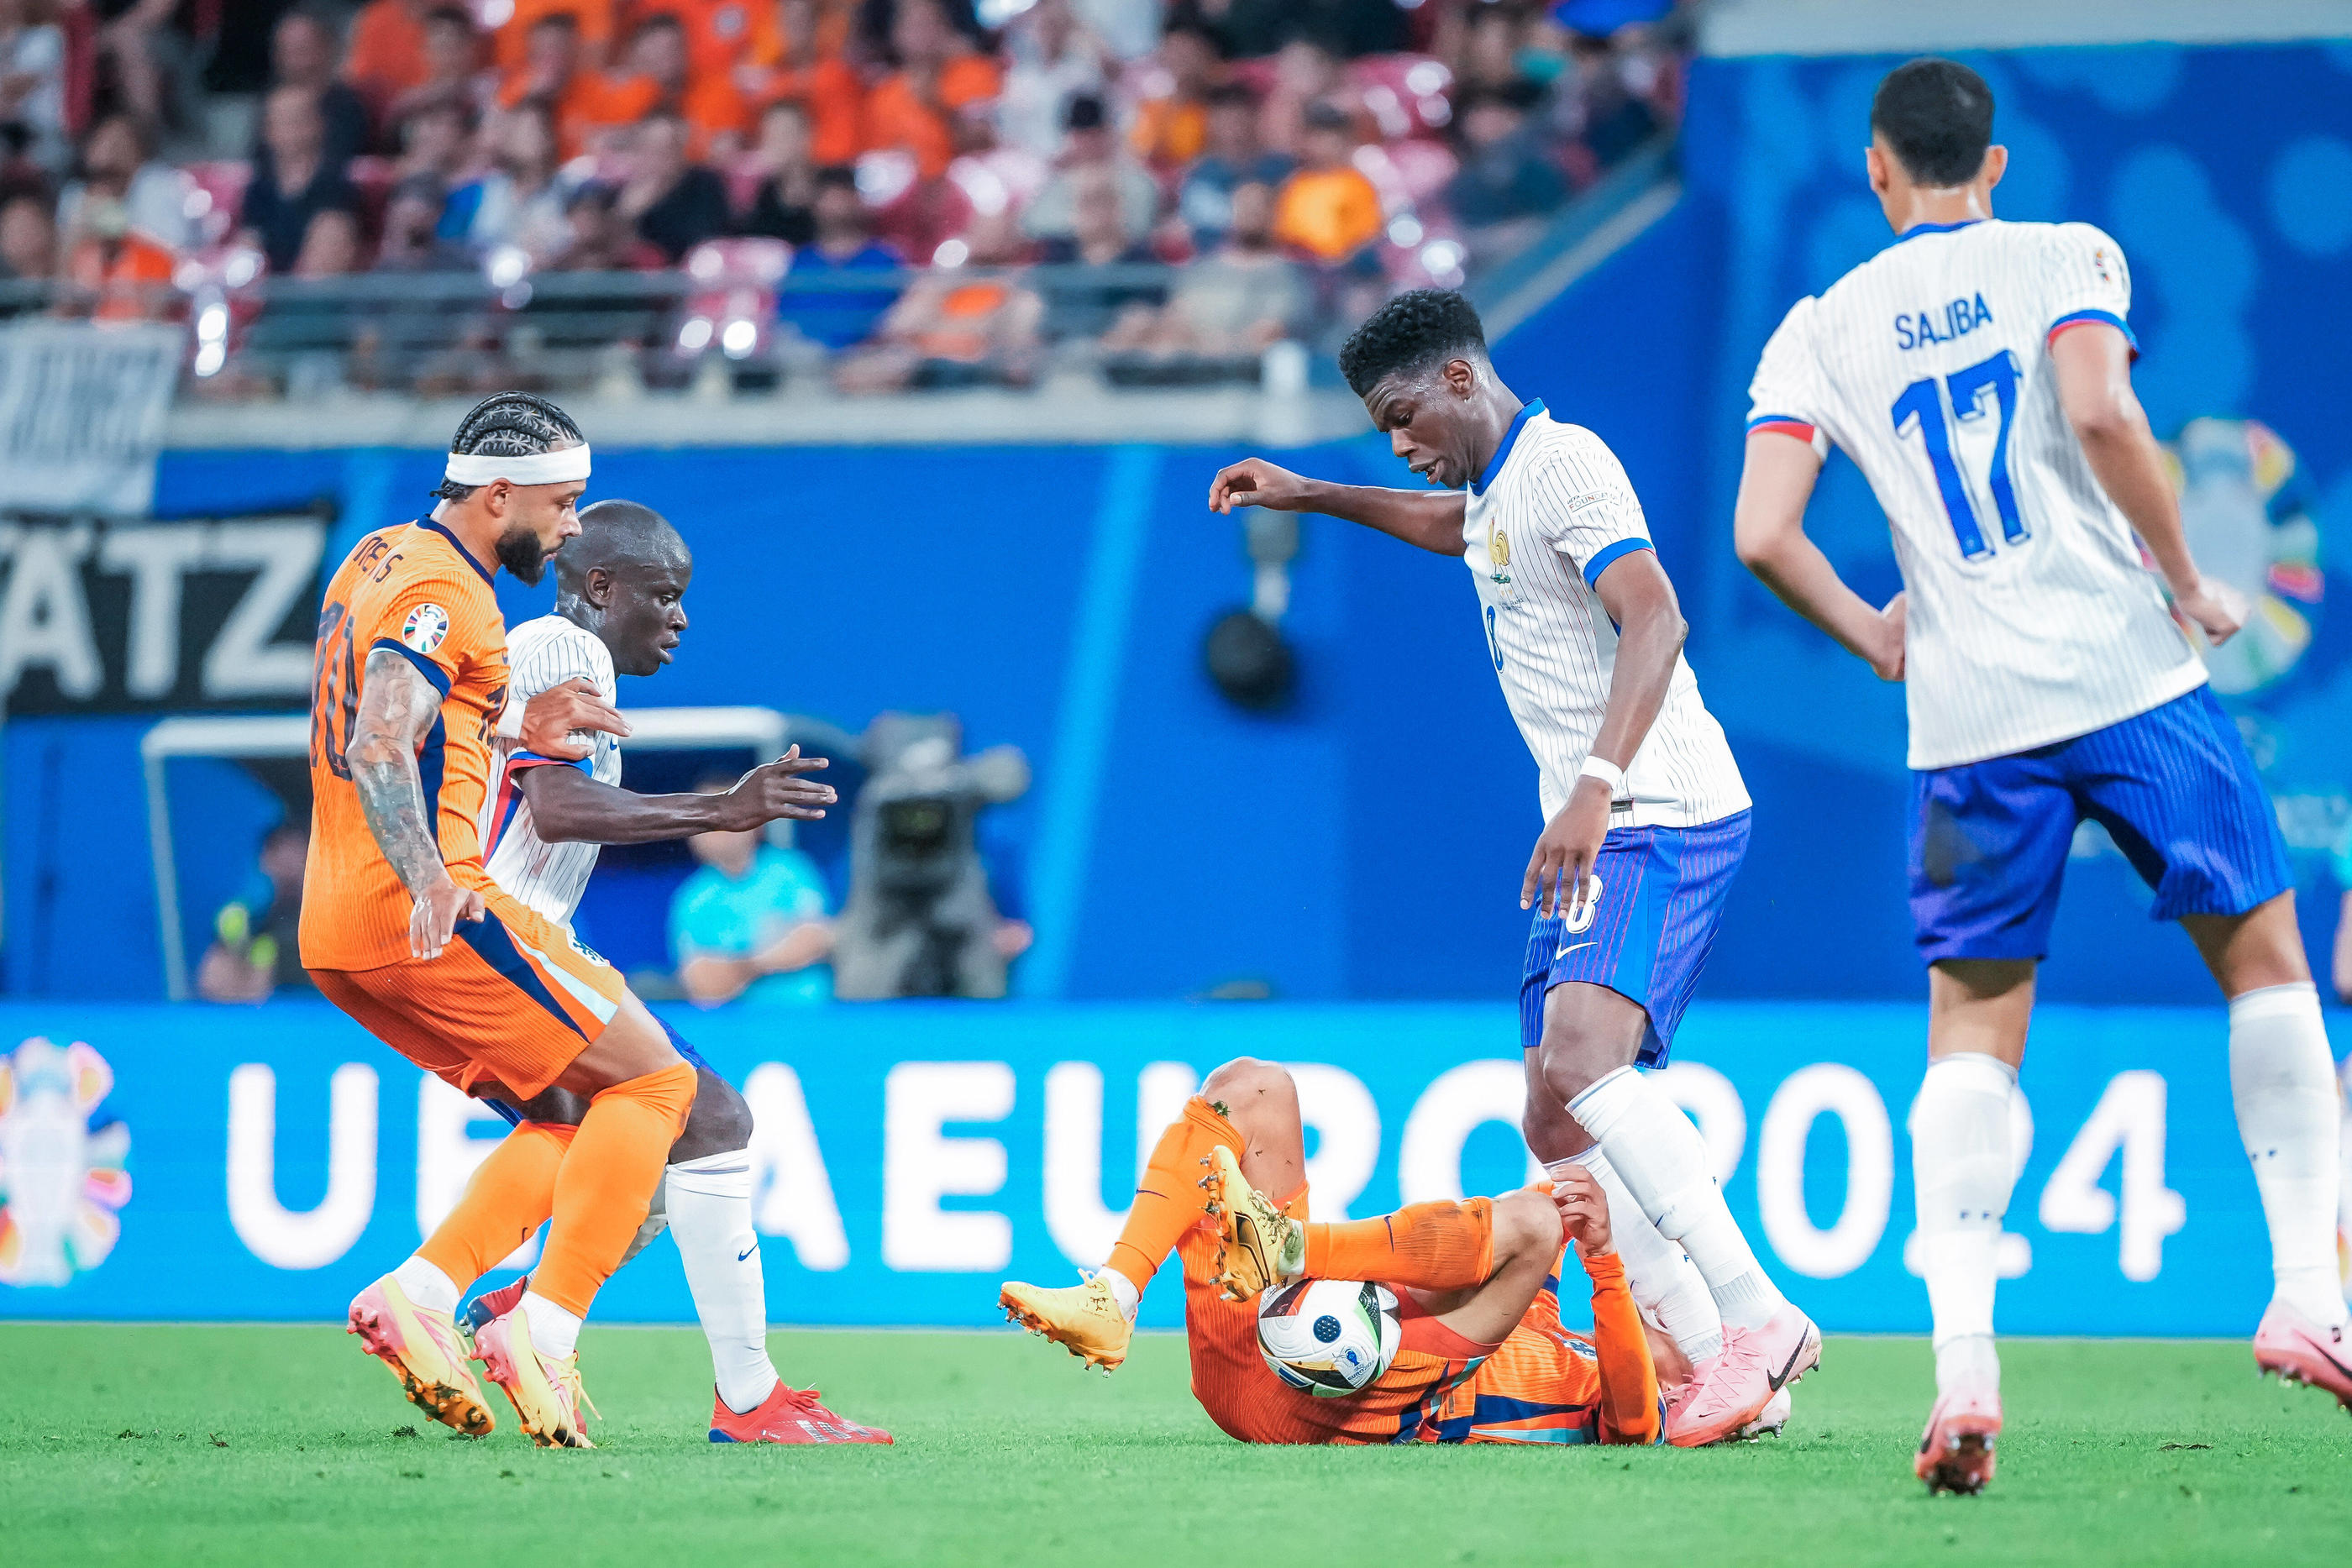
(1579, 947)
(1781, 1376)
(746, 1251)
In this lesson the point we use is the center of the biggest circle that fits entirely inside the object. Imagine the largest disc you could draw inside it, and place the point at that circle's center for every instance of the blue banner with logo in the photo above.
(214, 1162)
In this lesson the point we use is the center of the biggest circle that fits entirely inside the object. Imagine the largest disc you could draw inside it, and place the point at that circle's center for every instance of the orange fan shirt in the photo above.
(594, 16)
(898, 116)
(835, 97)
(720, 34)
(415, 591)
(387, 52)
(1329, 213)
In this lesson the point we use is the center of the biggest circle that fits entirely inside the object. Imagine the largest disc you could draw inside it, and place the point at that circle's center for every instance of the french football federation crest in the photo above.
(62, 1177)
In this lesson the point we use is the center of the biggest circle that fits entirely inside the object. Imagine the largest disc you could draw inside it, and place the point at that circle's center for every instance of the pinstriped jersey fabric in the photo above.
(550, 878)
(1553, 511)
(414, 593)
(2030, 618)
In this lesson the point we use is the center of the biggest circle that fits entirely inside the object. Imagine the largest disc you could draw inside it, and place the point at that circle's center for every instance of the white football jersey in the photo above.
(2029, 617)
(547, 877)
(1551, 513)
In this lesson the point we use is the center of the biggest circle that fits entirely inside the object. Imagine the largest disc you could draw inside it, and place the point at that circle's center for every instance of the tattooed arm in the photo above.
(398, 705)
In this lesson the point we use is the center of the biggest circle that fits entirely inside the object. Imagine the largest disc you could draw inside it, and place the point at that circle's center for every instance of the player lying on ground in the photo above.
(1484, 1357)
(1646, 817)
(620, 606)
(405, 929)
(2045, 684)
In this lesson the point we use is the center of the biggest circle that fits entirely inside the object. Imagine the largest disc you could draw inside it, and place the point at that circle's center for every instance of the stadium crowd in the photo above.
(924, 193)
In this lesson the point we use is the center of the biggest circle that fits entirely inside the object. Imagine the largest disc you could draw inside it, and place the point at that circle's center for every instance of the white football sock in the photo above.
(2290, 1117)
(1129, 1298)
(1661, 1158)
(428, 1285)
(554, 1330)
(710, 1206)
(1665, 1284)
(1962, 1167)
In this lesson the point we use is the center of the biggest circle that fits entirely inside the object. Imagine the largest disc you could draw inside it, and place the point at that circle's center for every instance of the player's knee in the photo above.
(1246, 1081)
(1552, 1133)
(719, 1122)
(1525, 1224)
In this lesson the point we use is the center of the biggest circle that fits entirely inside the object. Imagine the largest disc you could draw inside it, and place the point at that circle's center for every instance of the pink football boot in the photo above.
(1731, 1390)
(1956, 1451)
(2292, 1346)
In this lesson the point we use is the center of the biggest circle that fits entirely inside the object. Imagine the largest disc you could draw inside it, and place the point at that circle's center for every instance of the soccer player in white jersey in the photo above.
(1646, 819)
(620, 605)
(1979, 372)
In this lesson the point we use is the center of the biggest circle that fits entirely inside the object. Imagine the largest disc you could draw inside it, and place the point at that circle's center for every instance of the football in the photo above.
(1328, 1337)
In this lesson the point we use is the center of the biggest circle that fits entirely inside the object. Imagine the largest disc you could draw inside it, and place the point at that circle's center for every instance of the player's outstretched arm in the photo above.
(1768, 531)
(1429, 518)
(1629, 1379)
(569, 807)
(397, 706)
(2093, 365)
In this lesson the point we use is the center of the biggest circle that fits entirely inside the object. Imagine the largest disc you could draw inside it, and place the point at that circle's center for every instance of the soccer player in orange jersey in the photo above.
(1484, 1357)
(403, 929)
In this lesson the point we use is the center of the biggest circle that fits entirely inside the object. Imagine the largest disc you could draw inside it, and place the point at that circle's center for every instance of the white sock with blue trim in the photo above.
(1660, 1156)
(710, 1205)
(1963, 1165)
(2290, 1115)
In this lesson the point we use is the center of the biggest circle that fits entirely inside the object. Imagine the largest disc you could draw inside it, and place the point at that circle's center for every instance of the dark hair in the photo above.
(450, 16)
(658, 19)
(564, 19)
(1936, 116)
(1231, 95)
(836, 177)
(1085, 113)
(508, 424)
(1414, 331)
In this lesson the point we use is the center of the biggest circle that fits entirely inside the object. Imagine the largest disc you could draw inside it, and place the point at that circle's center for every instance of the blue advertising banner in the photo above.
(214, 1162)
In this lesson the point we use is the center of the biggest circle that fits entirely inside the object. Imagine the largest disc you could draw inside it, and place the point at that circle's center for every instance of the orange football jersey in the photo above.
(411, 590)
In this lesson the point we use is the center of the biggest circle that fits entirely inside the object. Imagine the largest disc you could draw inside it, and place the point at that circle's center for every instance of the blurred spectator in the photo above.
(707, 102)
(302, 56)
(115, 274)
(784, 206)
(721, 36)
(1206, 199)
(591, 24)
(845, 246)
(1343, 27)
(1104, 279)
(1171, 117)
(1231, 305)
(951, 330)
(1615, 119)
(793, 62)
(1053, 60)
(1091, 152)
(451, 76)
(28, 248)
(386, 59)
(1129, 28)
(1327, 209)
(1505, 173)
(1304, 74)
(517, 201)
(939, 76)
(437, 140)
(33, 84)
(675, 203)
(117, 170)
(156, 67)
(583, 103)
(597, 238)
(296, 181)
(331, 246)
(751, 923)
(1490, 58)
(255, 947)
(412, 239)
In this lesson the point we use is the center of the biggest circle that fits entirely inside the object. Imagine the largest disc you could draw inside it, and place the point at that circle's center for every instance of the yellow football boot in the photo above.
(545, 1390)
(1258, 1246)
(423, 1351)
(1086, 1320)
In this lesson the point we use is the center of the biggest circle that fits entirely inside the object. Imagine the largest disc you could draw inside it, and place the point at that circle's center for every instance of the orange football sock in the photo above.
(1432, 1245)
(512, 1190)
(607, 1183)
(1170, 1201)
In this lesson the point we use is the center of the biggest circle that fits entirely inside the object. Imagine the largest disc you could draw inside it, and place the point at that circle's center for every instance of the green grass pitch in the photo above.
(266, 1444)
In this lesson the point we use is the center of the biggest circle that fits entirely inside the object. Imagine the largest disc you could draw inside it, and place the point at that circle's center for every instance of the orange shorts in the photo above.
(507, 1004)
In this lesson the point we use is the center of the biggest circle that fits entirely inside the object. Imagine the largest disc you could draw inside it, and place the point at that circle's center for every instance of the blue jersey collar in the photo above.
(1503, 453)
(463, 553)
(1915, 230)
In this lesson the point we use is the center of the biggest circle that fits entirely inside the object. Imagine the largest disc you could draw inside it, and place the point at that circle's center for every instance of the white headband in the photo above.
(537, 468)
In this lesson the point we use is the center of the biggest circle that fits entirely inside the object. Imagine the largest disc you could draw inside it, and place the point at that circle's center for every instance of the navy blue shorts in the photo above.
(514, 1117)
(1648, 934)
(2173, 786)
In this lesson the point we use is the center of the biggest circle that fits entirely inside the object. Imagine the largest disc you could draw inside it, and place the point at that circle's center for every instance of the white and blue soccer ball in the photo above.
(1330, 1338)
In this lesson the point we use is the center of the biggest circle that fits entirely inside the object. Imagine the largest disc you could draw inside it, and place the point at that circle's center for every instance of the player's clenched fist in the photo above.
(1255, 482)
(776, 789)
(433, 918)
(1583, 1209)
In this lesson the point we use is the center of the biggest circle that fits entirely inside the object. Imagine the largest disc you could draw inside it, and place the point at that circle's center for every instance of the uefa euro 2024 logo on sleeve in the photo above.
(62, 1175)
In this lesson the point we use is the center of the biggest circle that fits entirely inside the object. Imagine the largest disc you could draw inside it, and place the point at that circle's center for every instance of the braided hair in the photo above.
(508, 424)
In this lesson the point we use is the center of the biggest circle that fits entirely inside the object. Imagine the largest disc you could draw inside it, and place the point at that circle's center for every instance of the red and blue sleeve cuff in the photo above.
(1782, 424)
(2092, 319)
(521, 760)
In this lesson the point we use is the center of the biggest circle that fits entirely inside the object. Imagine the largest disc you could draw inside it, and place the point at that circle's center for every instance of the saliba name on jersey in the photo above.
(1956, 319)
